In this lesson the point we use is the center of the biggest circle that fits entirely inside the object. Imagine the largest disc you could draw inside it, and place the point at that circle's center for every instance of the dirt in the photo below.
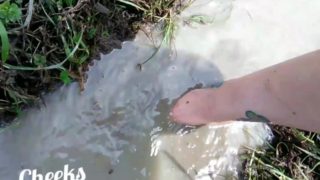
(293, 152)
(113, 23)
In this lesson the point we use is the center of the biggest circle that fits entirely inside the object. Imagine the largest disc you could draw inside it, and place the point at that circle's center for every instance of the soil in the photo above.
(113, 23)
(293, 152)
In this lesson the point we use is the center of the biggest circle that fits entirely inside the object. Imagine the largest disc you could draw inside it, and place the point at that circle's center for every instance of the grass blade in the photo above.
(56, 66)
(308, 153)
(132, 4)
(4, 42)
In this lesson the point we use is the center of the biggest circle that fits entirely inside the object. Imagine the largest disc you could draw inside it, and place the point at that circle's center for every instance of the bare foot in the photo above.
(286, 94)
(203, 106)
(196, 107)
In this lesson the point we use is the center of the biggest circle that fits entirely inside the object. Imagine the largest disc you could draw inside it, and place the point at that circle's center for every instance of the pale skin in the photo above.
(286, 94)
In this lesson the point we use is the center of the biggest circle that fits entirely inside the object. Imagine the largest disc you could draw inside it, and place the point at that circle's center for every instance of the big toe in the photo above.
(190, 109)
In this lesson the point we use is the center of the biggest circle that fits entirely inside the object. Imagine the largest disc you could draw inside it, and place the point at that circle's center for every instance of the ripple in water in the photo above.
(119, 127)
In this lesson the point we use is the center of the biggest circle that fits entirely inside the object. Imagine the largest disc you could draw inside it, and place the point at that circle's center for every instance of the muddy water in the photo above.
(113, 128)
(118, 128)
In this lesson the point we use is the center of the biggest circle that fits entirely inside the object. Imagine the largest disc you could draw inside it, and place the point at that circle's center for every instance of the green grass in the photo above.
(9, 13)
(4, 43)
(44, 43)
(32, 34)
(163, 12)
(293, 154)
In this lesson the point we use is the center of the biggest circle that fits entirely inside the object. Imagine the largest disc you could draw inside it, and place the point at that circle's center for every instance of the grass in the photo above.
(161, 12)
(45, 43)
(293, 154)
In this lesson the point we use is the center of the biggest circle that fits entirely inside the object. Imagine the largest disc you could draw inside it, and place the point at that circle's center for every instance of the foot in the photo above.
(202, 106)
(286, 93)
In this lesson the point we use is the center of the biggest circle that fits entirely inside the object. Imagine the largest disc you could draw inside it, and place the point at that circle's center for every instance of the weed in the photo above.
(9, 12)
(294, 154)
(163, 12)
(4, 42)
(65, 77)
(48, 42)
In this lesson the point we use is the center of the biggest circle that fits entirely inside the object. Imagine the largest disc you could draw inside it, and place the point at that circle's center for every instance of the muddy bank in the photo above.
(51, 43)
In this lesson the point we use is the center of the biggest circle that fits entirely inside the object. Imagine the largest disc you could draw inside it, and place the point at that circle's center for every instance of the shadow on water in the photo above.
(108, 128)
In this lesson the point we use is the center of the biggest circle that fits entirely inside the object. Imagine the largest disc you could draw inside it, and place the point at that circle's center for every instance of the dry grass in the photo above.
(293, 154)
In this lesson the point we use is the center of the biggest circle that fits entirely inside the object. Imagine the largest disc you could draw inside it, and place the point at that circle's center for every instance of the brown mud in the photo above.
(48, 39)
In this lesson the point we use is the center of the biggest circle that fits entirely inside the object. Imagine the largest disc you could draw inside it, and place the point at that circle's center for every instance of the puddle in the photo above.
(119, 128)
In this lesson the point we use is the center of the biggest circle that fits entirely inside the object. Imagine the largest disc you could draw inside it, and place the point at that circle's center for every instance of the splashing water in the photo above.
(119, 126)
